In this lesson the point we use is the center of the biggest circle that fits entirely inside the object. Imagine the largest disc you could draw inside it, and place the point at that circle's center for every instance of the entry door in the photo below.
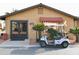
(19, 30)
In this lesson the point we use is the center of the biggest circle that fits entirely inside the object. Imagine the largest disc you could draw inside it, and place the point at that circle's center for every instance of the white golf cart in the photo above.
(59, 40)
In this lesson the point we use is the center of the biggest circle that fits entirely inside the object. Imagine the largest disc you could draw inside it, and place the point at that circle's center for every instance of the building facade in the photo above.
(19, 23)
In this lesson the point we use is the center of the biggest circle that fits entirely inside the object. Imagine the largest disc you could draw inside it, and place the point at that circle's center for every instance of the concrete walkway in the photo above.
(16, 44)
(9, 43)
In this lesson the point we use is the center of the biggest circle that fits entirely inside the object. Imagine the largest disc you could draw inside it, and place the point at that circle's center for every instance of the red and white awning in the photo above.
(51, 19)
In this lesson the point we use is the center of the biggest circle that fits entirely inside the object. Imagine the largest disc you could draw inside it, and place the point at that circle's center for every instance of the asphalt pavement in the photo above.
(71, 50)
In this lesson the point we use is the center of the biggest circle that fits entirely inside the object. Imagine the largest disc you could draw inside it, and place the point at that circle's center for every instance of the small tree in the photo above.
(75, 31)
(39, 28)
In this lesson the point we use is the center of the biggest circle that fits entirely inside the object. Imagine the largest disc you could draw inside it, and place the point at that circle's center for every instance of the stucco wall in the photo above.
(69, 20)
(33, 17)
(77, 23)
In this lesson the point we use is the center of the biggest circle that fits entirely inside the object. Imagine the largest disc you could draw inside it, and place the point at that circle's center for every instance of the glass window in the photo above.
(15, 26)
(24, 27)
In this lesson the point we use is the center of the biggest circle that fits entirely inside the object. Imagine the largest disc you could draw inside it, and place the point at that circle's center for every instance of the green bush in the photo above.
(75, 31)
(54, 33)
(39, 27)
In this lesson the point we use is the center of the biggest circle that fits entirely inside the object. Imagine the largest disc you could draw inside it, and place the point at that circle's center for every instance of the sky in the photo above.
(68, 6)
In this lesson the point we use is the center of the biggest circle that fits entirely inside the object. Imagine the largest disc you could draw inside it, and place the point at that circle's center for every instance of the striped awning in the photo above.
(51, 19)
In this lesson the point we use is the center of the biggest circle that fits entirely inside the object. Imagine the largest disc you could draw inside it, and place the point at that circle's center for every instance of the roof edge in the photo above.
(37, 5)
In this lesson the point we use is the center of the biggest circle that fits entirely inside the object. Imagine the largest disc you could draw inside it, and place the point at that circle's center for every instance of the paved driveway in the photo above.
(71, 50)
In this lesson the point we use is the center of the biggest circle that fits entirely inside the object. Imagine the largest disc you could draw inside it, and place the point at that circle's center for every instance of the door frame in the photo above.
(11, 27)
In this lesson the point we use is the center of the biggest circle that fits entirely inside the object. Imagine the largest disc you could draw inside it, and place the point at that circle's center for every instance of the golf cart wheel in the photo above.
(65, 44)
(42, 44)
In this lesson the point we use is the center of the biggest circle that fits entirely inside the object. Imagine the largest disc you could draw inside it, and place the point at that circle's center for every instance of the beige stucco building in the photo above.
(19, 23)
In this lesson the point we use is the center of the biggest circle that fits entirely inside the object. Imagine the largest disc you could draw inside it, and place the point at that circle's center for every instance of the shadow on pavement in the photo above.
(34, 50)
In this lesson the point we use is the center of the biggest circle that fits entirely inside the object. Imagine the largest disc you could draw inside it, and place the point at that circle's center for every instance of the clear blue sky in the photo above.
(69, 6)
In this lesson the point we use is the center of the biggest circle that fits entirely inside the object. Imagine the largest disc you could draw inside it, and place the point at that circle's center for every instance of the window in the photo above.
(24, 27)
(19, 26)
(15, 26)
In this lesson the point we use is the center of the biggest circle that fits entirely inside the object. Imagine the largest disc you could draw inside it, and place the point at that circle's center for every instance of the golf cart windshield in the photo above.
(53, 32)
(56, 35)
